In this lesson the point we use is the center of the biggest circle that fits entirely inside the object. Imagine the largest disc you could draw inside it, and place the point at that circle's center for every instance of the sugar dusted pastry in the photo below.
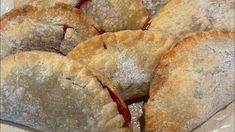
(180, 17)
(56, 29)
(193, 81)
(128, 58)
(112, 15)
(50, 92)
(153, 6)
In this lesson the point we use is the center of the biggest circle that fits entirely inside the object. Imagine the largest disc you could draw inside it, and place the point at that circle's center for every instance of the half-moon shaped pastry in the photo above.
(193, 81)
(50, 92)
(57, 29)
(112, 15)
(128, 58)
(180, 17)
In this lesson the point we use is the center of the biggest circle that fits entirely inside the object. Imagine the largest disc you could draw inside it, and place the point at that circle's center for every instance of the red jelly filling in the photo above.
(79, 4)
(147, 24)
(121, 108)
(100, 31)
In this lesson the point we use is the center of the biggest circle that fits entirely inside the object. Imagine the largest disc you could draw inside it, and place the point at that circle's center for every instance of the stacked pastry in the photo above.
(182, 67)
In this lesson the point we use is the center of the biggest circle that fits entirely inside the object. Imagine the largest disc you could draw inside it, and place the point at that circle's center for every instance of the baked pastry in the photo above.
(193, 81)
(50, 92)
(112, 15)
(153, 6)
(127, 58)
(56, 29)
(180, 17)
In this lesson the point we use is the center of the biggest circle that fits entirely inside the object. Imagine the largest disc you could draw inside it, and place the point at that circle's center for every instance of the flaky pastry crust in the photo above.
(50, 92)
(180, 17)
(193, 81)
(128, 58)
(56, 29)
(112, 15)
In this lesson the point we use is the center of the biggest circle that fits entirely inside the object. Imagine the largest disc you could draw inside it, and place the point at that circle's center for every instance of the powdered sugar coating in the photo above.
(112, 15)
(154, 6)
(116, 15)
(130, 71)
(68, 97)
(193, 81)
(55, 29)
(128, 58)
(220, 13)
(180, 17)
(136, 110)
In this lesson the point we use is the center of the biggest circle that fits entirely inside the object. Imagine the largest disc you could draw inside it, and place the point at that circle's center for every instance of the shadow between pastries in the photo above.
(50, 92)
(56, 29)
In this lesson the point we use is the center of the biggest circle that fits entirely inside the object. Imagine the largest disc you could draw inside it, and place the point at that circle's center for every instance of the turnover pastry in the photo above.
(56, 29)
(50, 92)
(127, 58)
(193, 81)
(180, 17)
(112, 15)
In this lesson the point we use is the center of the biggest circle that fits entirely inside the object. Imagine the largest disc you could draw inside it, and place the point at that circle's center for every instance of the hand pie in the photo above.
(180, 17)
(56, 29)
(193, 81)
(127, 58)
(50, 92)
(112, 15)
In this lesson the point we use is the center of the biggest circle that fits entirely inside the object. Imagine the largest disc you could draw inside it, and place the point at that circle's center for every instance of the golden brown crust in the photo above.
(66, 98)
(193, 39)
(180, 17)
(126, 57)
(58, 29)
(112, 15)
(173, 109)
(71, 15)
(23, 11)
(127, 37)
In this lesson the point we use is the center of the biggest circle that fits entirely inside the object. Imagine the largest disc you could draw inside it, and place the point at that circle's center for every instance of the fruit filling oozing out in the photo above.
(121, 108)
(147, 23)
